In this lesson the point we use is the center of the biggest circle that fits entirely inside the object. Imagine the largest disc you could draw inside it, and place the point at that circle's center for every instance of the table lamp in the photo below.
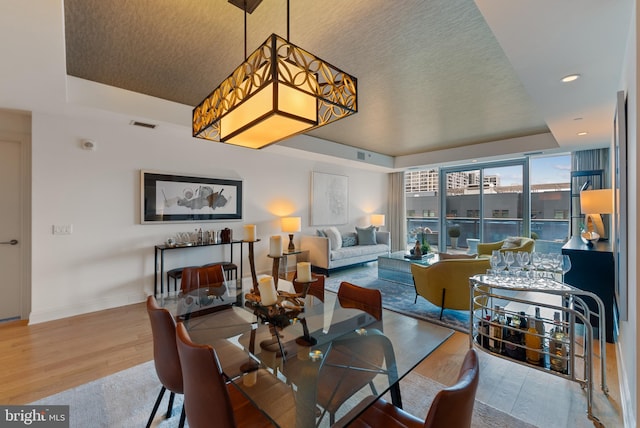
(593, 203)
(377, 220)
(291, 225)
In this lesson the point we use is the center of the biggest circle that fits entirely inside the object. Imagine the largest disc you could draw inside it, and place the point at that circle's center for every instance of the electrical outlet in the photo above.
(62, 229)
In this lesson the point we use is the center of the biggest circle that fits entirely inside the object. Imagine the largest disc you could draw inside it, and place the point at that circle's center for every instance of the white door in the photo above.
(10, 230)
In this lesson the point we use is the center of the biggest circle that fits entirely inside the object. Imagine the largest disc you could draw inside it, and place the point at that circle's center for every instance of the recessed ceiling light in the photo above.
(582, 133)
(570, 78)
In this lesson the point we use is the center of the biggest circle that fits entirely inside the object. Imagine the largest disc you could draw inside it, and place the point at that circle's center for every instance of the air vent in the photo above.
(360, 155)
(142, 124)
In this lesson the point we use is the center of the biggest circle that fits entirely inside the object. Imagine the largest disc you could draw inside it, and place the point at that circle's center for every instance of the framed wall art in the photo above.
(620, 216)
(180, 198)
(329, 199)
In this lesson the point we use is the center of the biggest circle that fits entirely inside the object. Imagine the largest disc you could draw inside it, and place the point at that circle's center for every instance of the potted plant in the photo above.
(454, 234)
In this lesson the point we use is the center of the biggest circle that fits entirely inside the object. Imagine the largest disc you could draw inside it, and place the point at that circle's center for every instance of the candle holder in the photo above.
(306, 339)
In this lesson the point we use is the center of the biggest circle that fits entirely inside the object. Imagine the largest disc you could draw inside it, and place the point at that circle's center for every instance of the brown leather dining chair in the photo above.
(165, 356)
(366, 299)
(211, 277)
(352, 364)
(208, 399)
(316, 288)
(452, 407)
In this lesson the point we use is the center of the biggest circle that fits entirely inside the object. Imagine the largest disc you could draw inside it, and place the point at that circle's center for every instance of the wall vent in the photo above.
(142, 124)
(360, 156)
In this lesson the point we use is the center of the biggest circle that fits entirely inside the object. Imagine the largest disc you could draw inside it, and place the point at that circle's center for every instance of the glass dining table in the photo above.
(305, 362)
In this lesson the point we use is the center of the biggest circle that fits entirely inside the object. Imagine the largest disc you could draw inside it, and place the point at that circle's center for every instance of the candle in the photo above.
(304, 271)
(250, 232)
(275, 246)
(250, 378)
(268, 294)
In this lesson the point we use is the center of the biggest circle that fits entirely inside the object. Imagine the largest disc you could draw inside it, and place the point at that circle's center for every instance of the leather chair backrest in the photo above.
(206, 399)
(366, 299)
(453, 406)
(315, 288)
(202, 277)
(165, 351)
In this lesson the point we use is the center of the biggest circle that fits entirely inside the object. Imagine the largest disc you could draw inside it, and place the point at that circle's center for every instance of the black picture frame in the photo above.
(620, 216)
(171, 198)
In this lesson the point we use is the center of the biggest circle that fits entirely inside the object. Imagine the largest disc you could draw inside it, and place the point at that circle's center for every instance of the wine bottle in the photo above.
(495, 331)
(558, 346)
(539, 325)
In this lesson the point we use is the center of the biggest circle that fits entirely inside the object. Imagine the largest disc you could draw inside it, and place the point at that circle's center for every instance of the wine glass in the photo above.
(565, 265)
(536, 261)
(509, 259)
(496, 259)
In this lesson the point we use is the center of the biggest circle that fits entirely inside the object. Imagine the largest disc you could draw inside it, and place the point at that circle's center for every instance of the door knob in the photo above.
(12, 242)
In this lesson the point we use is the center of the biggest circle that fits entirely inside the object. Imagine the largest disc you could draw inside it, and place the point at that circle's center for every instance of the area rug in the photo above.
(125, 399)
(399, 297)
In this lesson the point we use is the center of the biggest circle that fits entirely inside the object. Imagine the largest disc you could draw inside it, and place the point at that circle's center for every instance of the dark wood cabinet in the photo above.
(593, 270)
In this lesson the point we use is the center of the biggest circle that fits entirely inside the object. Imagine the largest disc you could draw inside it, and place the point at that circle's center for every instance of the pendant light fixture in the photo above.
(280, 90)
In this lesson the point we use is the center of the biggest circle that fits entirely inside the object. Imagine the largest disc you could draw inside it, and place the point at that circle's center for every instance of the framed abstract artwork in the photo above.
(182, 198)
(329, 199)
(620, 216)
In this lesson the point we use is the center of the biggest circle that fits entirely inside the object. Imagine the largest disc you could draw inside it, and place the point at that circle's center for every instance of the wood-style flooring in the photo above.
(43, 359)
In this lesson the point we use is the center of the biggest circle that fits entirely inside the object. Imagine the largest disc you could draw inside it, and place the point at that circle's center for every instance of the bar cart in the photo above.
(501, 305)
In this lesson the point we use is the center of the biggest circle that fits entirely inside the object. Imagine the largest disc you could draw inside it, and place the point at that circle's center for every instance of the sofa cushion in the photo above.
(366, 235)
(349, 239)
(335, 238)
(511, 242)
(358, 251)
(447, 256)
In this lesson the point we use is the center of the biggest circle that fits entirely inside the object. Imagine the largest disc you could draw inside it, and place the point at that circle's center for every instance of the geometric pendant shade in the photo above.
(280, 90)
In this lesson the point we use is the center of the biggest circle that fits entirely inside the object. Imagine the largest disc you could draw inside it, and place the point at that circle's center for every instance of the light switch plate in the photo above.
(62, 229)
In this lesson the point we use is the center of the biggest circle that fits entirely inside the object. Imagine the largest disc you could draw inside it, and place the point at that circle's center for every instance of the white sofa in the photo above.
(324, 259)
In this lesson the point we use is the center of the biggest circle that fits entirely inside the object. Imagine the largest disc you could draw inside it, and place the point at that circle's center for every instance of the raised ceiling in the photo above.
(432, 74)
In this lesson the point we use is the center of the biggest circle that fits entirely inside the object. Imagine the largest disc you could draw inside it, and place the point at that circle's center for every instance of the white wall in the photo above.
(108, 260)
(628, 350)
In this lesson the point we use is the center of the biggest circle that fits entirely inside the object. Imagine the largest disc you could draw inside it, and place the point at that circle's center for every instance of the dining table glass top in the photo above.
(305, 362)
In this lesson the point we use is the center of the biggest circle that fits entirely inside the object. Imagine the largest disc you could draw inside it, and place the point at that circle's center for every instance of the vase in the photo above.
(417, 251)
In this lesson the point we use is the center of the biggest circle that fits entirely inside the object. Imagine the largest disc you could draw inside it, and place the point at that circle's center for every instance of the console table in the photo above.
(159, 253)
(593, 269)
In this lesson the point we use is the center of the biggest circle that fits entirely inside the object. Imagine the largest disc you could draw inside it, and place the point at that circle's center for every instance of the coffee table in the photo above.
(397, 268)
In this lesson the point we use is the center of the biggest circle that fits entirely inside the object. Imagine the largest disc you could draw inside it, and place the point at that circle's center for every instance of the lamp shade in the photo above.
(377, 220)
(291, 224)
(596, 201)
(279, 91)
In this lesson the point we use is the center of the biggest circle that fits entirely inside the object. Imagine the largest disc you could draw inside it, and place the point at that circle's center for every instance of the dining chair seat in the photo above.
(452, 407)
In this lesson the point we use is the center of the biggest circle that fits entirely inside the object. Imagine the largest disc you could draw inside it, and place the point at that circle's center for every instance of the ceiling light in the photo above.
(570, 78)
(582, 133)
(280, 90)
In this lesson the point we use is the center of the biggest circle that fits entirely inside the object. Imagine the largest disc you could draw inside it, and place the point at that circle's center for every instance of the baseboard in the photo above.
(628, 416)
(50, 314)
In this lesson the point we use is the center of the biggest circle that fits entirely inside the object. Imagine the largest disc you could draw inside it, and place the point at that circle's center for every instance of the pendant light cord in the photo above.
(245, 30)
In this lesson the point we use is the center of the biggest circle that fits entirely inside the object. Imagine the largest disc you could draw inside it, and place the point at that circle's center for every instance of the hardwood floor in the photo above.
(47, 358)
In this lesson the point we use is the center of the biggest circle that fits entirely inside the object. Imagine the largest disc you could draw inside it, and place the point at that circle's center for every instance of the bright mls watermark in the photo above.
(34, 416)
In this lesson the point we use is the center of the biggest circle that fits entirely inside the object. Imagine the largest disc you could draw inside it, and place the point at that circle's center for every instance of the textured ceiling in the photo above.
(431, 74)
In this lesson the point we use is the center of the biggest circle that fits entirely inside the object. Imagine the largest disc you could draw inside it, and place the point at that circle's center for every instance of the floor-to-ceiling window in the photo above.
(490, 201)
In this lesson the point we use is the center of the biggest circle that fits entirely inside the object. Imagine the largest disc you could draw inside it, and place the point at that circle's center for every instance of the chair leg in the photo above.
(183, 416)
(442, 304)
(170, 406)
(155, 406)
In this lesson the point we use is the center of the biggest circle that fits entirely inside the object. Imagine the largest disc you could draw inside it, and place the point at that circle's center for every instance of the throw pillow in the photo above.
(366, 235)
(349, 239)
(320, 232)
(511, 242)
(447, 256)
(335, 238)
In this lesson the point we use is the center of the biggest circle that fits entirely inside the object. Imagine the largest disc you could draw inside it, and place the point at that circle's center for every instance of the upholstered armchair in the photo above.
(446, 282)
(515, 244)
